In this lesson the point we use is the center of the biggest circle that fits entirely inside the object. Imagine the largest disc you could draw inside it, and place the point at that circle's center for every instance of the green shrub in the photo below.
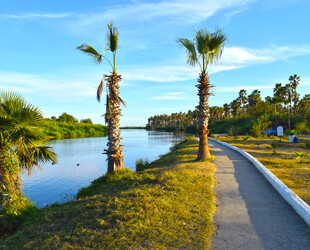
(62, 129)
(301, 127)
(142, 164)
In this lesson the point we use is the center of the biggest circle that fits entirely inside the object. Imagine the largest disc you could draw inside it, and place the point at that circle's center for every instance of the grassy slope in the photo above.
(168, 205)
(283, 164)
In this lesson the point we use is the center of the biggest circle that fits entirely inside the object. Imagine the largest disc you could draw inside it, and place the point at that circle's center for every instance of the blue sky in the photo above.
(267, 42)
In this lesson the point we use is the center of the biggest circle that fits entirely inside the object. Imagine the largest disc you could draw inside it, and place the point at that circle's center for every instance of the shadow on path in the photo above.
(251, 214)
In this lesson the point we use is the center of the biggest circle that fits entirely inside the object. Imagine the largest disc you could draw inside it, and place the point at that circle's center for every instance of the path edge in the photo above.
(301, 207)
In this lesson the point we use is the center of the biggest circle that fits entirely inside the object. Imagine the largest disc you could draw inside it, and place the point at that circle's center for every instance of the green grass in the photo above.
(284, 164)
(168, 205)
(132, 127)
(70, 130)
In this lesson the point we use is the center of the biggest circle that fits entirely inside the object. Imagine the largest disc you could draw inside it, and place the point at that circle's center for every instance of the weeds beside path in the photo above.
(170, 204)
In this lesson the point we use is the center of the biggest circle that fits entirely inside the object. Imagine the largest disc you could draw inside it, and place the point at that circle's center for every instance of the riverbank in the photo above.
(52, 130)
(169, 204)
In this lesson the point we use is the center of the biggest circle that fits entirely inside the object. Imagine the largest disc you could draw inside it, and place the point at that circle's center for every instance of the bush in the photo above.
(260, 125)
(63, 129)
(142, 164)
(239, 126)
(301, 127)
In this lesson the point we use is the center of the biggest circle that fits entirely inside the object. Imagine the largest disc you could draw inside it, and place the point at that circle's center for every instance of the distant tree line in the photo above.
(250, 112)
(64, 117)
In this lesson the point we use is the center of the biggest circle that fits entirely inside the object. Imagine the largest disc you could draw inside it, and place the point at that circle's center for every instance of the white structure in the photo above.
(279, 131)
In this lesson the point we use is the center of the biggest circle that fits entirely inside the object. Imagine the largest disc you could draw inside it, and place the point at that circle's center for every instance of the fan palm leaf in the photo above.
(192, 59)
(201, 41)
(22, 126)
(34, 155)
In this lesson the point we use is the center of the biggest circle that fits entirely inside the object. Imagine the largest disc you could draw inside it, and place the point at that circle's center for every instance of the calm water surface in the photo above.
(80, 161)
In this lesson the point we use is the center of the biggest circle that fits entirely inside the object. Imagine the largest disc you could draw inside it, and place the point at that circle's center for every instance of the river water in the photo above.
(80, 161)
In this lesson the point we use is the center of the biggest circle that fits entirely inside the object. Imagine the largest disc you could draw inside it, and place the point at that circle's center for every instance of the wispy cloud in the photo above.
(168, 11)
(171, 96)
(54, 88)
(155, 73)
(38, 15)
(246, 56)
(233, 58)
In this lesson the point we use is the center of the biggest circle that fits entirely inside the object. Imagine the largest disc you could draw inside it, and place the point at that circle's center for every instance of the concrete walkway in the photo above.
(250, 213)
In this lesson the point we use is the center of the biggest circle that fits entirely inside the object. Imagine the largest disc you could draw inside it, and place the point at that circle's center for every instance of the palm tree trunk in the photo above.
(2, 184)
(275, 114)
(203, 116)
(114, 151)
(288, 118)
(10, 181)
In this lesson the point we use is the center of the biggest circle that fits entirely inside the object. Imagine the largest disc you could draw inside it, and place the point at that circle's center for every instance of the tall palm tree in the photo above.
(294, 82)
(227, 110)
(21, 145)
(113, 100)
(206, 49)
(254, 98)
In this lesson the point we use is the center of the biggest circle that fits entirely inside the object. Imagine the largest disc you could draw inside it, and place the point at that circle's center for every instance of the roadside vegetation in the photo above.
(290, 162)
(169, 204)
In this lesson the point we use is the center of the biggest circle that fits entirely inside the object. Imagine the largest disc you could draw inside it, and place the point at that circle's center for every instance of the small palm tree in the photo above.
(206, 49)
(257, 144)
(21, 146)
(300, 155)
(113, 100)
(274, 146)
(245, 139)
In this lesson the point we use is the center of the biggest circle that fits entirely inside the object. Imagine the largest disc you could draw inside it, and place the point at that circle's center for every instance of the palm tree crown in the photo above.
(111, 45)
(206, 48)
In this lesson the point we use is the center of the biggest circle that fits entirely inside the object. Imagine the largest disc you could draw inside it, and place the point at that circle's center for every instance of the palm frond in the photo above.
(16, 113)
(89, 50)
(99, 90)
(190, 50)
(5, 122)
(108, 109)
(201, 40)
(216, 46)
(35, 155)
(112, 37)
(122, 101)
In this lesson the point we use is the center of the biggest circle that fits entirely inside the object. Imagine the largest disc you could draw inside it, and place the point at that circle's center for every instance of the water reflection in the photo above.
(81, 161)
